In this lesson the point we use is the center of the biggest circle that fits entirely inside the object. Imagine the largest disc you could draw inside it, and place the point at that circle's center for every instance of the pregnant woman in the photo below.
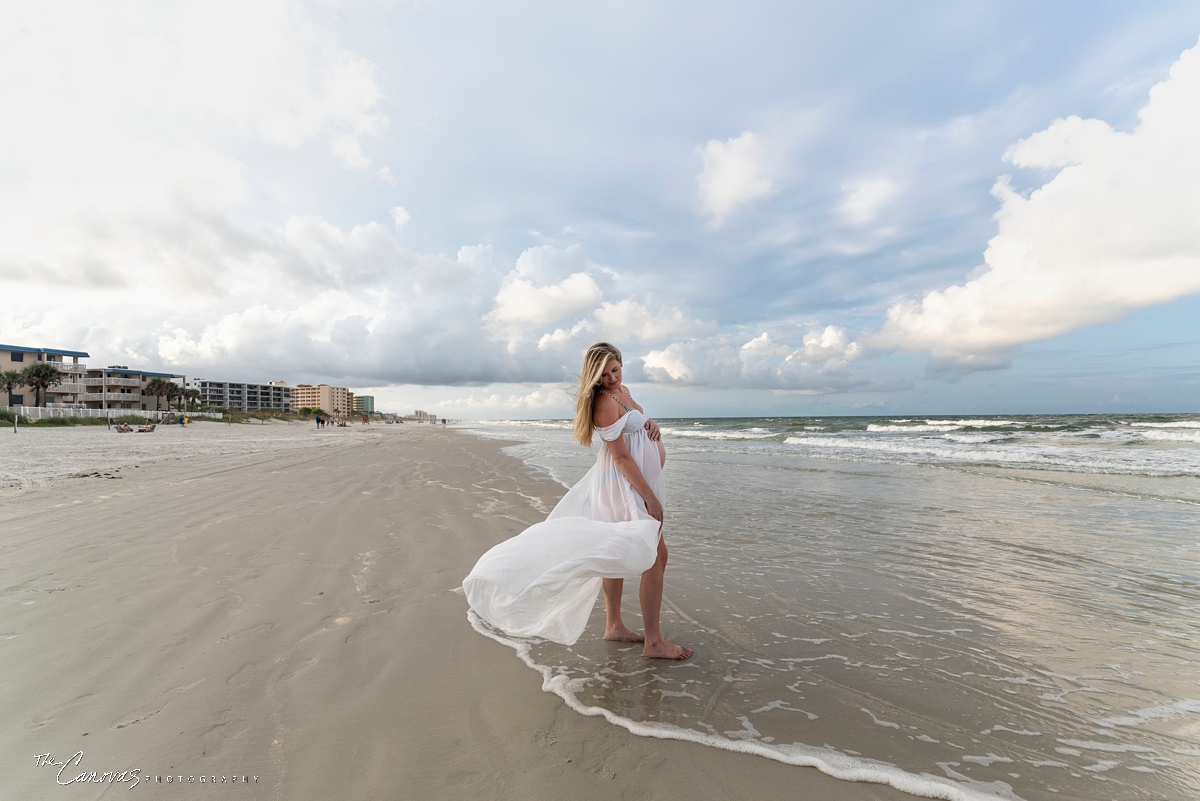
(608, 527)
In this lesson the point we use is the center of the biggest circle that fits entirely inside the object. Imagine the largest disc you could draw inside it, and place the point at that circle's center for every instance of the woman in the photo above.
(608, 527)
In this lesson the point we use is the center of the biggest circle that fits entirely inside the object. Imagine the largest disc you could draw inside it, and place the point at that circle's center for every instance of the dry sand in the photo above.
(290, 616)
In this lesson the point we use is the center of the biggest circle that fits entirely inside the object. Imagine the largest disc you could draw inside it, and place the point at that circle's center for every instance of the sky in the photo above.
(771, 208)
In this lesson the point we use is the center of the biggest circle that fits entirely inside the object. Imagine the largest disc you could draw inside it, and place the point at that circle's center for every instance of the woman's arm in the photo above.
(606, 412)
(629, 468)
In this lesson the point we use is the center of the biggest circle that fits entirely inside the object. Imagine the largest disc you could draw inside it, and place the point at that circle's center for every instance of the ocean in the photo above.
(960, 607)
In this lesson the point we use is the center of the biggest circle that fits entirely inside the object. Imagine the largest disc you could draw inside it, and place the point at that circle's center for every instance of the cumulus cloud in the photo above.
(522, 304)
(628, 321)
(819, 365)
(637, 322)
(735, 173)
(1116, 228)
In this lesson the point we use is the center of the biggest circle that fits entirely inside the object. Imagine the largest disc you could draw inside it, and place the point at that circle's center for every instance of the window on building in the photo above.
(18, 357)
(18, 400)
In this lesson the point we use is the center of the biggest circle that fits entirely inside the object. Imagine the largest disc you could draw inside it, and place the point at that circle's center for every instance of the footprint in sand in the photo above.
(229, 726)
(140, 714)
(38, 721)
(237, 635)
(243, 676)
(300, 668)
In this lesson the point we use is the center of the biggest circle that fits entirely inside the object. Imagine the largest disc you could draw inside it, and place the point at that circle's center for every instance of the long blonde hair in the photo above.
(594, 360)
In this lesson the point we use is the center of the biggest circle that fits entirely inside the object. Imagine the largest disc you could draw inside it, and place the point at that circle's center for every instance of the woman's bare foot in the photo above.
(666, 650)
(623, 634)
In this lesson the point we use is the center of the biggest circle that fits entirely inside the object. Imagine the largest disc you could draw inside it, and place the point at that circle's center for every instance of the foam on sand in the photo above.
(828, 761)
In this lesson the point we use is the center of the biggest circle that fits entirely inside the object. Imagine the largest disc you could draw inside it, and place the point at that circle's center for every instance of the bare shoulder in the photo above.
(605, 410)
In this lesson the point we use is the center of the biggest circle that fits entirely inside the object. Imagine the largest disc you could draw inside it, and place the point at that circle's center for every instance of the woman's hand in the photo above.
(654, 507)
(652, 430)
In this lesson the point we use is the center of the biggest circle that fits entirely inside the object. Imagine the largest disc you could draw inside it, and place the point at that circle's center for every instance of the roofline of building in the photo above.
(111, 369)
(55, 351)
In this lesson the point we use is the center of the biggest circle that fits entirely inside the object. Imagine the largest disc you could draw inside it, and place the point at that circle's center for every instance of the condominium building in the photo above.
(114, 387)
(18, 357)
(364, 404)
(243, 396)
(334, 400)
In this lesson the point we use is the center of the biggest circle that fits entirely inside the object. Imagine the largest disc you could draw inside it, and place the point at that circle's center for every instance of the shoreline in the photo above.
(291, 615)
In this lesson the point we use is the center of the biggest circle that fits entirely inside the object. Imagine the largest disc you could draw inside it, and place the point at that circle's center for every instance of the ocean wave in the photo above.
(825, 759)
(1108, 460)
(557, 424)
(1173, 424)
(926, 448)
(1160, 435)
(973, 438)
(974, 423)
(745, 433)
(917, 429)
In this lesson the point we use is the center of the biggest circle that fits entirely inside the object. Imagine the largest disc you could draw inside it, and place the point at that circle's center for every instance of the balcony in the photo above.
(128, 397)
(112, 380)
(70, 368)
(68, 388)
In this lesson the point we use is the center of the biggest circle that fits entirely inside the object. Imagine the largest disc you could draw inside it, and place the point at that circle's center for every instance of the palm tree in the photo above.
(193, 398)
(155, 387)
(10, 380)
(173, 392)
(41, 376)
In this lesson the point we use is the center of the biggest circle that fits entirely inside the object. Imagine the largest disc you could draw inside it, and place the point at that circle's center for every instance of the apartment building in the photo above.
(115, 387)
(364, 404)
(244, 396)
(337, 401)
(18, 357)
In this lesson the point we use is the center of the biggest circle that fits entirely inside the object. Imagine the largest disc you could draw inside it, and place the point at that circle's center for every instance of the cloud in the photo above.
(1117, 228)
(820, 365)
(626, 320)
(863, 200)
(123, 165)
(734, 175)
(400, 216)
(640, 323)
(523, 305)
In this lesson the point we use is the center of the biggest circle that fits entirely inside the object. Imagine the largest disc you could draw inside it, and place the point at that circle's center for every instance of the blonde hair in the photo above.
(594, 361)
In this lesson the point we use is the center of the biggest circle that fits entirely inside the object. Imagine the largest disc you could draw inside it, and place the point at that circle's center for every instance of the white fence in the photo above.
(44, 412)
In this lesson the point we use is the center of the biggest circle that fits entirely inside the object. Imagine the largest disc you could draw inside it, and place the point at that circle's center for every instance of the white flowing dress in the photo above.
(544, 581)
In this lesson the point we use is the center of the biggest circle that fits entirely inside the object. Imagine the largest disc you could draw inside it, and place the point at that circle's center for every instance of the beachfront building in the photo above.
(244, 396)
(115, 387)
(120, 386)
(364, 404)
(18, 357)
(338, 401)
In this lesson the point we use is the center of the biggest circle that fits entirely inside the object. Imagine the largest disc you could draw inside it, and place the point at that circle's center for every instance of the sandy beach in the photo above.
(283, 620)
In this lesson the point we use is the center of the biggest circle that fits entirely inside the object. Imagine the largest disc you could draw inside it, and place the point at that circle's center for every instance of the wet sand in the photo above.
(290, 616)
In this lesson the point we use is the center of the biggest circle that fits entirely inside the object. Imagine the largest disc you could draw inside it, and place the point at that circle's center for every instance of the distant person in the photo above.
(608, 527)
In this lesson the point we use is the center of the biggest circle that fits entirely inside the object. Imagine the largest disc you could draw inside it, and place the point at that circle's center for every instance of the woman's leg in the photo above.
(651, 597)
(614, 627)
